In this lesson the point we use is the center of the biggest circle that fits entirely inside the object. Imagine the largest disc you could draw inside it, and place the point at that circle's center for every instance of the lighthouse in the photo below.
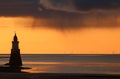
(15, 57)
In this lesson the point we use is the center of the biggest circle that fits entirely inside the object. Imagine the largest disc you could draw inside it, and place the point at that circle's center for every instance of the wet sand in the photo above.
(56, 76)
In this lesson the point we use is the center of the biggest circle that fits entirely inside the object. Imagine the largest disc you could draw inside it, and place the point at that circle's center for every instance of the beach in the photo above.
(56, 76)
(66, 66)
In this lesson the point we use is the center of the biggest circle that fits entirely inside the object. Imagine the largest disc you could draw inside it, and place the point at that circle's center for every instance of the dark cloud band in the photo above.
(31, 7)
(57, 13)
(97, 4)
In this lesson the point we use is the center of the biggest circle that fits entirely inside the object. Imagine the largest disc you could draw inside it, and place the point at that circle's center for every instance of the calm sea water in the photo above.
(99, 64)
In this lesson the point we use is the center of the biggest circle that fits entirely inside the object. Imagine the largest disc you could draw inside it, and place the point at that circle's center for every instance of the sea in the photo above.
(69, 63)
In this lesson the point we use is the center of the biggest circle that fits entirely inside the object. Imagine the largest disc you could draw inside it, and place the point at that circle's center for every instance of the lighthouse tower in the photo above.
(15, 57)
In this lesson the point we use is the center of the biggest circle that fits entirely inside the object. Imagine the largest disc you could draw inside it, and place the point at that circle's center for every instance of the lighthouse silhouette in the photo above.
(15, 57)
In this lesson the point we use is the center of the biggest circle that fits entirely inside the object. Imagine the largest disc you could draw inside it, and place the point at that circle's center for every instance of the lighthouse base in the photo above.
(12, 69)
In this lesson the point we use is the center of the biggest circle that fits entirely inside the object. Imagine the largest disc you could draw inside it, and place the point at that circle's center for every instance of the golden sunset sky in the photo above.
(52, 41)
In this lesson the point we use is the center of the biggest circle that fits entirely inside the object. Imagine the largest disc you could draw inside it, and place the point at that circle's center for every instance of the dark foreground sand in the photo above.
(56, 76)
(7, 72)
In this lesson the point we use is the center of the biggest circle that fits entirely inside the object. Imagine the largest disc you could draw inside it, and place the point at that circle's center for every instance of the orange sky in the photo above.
(51, 41)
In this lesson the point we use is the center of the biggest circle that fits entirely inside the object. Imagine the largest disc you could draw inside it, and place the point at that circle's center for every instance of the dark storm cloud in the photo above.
(62, 14)
(82, 5)
(31, 7)
(97, 4)
(80, 13)
(18, 7)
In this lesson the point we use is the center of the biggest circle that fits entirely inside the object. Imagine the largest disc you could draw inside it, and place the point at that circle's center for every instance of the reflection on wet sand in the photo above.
(73, 67)
(73, 63)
